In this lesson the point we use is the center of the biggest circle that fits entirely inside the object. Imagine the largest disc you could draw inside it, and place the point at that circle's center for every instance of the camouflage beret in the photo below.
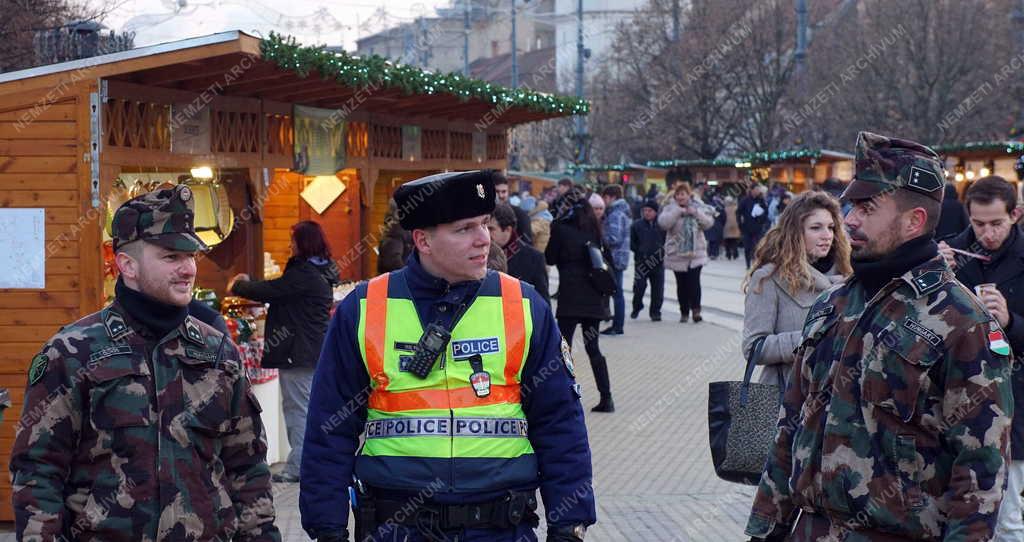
(163, 217)
(445, 197)
(889, 163)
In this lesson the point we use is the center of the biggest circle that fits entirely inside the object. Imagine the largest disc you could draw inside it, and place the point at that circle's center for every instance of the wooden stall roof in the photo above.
(797, 156)
(982, 149)
(235, 64)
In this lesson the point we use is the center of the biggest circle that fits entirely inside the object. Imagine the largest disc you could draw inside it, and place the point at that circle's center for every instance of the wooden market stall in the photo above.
(720, 172)
(237, 115)
(798, 168)
(967, 162)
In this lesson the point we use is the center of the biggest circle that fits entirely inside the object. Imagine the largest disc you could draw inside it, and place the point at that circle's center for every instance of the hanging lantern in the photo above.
(214, 218)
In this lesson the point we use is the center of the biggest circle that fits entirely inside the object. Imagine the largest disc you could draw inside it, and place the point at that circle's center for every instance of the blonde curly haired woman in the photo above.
(799, 258)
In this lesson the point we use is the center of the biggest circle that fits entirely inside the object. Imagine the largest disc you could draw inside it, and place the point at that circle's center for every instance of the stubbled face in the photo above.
(456, 251)
(874, 227)
(165, 275)
(501, 190)
(819, 232)
(682, 198)
(649, 214)
(499, 235)
(991, 223)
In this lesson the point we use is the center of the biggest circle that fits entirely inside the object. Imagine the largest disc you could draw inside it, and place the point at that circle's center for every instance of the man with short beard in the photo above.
(998, 279)
(139, 423)
(895, 423)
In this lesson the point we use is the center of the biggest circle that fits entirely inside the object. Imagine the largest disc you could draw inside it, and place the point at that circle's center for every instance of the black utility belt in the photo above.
(505, 513)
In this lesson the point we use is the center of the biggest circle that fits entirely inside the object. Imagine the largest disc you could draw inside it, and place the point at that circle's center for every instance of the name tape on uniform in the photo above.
(447, 427)
(469, 347)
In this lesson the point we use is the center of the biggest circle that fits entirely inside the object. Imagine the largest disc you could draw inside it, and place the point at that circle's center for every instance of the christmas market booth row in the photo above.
(266, 133)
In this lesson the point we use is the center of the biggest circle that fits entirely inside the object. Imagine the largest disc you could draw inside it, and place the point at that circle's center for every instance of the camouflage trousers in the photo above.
(818, 528)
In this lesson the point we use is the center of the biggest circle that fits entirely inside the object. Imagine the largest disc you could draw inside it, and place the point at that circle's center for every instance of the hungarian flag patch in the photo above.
(997, 343)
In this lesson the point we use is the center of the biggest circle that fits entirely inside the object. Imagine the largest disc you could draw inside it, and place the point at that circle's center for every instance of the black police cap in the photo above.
(445, 197)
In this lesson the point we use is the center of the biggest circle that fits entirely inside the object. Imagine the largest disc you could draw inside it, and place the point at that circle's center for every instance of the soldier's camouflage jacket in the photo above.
(121, 442)
(897, 417)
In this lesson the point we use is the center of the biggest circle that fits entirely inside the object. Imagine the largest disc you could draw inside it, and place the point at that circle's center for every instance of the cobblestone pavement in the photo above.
(653, 474)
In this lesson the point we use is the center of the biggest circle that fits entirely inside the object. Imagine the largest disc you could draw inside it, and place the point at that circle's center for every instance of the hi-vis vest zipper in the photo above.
(439, 431)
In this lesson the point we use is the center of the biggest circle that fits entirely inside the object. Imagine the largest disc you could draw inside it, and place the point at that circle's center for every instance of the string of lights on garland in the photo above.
(357, 71)
(716, 162)
(1009, 147)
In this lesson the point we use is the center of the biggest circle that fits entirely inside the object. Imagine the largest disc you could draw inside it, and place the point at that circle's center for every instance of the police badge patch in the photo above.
(38, 368)
(567, 359)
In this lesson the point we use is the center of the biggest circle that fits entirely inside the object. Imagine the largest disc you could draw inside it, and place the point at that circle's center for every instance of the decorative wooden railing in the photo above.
(497, 146)
(461, 145)
(137, 125)
(435, 144)
(357, 140)
(386, 141)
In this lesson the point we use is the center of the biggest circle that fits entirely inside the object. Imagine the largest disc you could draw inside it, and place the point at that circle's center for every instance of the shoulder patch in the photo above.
(567, 359)
(38, 368)
(918, 329)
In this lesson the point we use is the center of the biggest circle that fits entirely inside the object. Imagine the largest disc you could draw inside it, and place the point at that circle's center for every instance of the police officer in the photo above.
(139, 423)
(895, 425)
(461, 385)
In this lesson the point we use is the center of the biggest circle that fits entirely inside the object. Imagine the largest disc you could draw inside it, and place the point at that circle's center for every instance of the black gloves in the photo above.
(569, 533)
(334, 536)
(778, 534)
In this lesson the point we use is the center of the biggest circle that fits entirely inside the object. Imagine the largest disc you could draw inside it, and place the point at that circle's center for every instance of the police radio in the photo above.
(431, 345)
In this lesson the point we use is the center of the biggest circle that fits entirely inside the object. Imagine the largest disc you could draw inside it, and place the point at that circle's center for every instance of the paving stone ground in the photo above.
(652, 469)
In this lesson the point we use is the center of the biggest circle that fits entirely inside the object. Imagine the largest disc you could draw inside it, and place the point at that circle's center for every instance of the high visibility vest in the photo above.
(437, 432)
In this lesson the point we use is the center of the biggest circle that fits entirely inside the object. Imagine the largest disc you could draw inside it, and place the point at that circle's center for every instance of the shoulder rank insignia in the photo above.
(192, 332)
(115, 324)
(997, 341)
(38, 368)
(926, 282)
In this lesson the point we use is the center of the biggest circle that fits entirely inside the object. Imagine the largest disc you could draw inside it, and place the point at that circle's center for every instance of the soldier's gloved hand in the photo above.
(778, 534)
(568, 533)
(335, 536)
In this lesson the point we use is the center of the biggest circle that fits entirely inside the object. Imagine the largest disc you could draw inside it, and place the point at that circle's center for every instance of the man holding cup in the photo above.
(989, 258)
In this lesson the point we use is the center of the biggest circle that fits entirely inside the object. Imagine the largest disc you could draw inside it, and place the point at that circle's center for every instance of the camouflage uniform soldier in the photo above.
(139, 424)
(895, 425)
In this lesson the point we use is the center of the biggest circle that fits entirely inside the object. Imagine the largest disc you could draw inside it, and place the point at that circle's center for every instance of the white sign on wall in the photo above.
(22, 248)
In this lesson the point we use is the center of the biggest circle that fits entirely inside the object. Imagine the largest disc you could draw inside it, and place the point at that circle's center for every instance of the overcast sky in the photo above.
(310, 21)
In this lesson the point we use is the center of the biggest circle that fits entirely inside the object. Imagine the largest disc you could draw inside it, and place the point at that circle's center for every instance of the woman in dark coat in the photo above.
(579, 302)
(300, 304)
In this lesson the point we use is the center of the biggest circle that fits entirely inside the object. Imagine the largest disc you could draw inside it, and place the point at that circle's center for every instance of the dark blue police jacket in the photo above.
(341, 388)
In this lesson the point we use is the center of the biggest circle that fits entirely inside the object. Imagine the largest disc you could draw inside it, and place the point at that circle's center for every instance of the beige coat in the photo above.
(779, 317)
(670, 219)
(732, 227)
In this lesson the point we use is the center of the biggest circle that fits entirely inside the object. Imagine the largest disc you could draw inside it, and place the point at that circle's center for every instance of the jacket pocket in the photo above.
(896, 363)
(120, 397)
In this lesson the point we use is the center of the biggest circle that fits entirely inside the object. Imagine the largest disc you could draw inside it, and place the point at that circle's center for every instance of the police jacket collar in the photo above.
(422, 284)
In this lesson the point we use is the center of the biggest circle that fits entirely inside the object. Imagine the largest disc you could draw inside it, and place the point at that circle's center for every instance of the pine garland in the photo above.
(374, 70)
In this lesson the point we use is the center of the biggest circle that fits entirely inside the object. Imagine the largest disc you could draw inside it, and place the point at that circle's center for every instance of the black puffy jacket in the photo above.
(300, 304)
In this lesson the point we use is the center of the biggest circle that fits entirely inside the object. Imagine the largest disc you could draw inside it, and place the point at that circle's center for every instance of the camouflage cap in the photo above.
(163, 217)
(888, 163)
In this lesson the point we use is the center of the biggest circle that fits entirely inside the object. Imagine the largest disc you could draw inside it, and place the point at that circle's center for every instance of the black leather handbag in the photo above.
(742, 422)
(600, 273)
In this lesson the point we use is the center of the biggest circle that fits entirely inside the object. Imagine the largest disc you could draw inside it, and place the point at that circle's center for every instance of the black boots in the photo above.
(600, 366)
(605, 404)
